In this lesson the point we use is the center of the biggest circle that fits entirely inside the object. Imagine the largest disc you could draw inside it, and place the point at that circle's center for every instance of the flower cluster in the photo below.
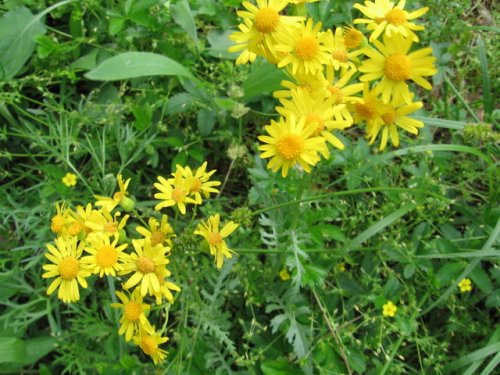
(322, 97)
(94, 240)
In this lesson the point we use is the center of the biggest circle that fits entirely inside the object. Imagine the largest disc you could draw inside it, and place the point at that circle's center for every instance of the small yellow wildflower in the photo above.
(352, 38)
(340, 57)
(209, 230)
(104, 255)
(174, 192)
(465, 285)
(69, 179)
(67, 266)
(159, 233)
(284, 275)
(133, 319)
(119, 197)
(60, 219)
(102, 222)
(166, 286)
(149, 343)
(340, 267)
(389, 309)
(199, 182)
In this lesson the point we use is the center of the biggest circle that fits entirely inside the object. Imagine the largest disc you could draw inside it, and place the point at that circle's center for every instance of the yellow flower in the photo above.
(314, 85)
(368, 108)
(143, 263)
(159, 233)
(166, 286)
(394, 65)
(174, 192)
(209, 230)
(67, 266)
(108, 203)
(77, 223)
(340, 267)
(297, 2)
(149, 343)
(393, 117)
(199, 182)
(102, 222)
(302, 49)
(465, 285)
(258, 31)
(60, 219)
(383, 15)
(69, 179)
(290, 143)
(133, 319)
(352, 38)
(284, 275)
(389, 309)
(340, 57)
(105, 255)
(318, 113)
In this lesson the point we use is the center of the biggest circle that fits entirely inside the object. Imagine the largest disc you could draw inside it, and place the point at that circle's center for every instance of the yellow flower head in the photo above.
(368, 108)
(384, 15)
(77, 223)
(108, 203)
(389, 309)
(353, 38)
(174, 192)
(143, 263)
(159, 233)
(465, 285)
(133, 320)
(303, 49)
(105, 256)
(290, 142)
(340, 57)
(69, 179)
(389, 119)
(149, 343)
(314, 85)
(166, 287)
(102, 222)
(60, 219)
(284, 275)
(199, 182)
(395, 65)
(68, 267)
(209, 230)
(261, 24)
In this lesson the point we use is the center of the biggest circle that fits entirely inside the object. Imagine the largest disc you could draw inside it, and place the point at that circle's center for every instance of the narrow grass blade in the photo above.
(439, 123)
(492, 365)
(475, 356)
(483, 60)
(465, 254)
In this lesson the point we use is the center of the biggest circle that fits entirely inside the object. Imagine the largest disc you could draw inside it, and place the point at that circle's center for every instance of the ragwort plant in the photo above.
(376, 261)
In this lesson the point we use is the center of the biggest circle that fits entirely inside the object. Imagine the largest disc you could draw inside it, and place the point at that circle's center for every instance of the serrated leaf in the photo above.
(137, 64)
(493, 299)
(179, 103)
(280, 366)
(448, 273)
(297, 336)
(206, 121)
(481, 279)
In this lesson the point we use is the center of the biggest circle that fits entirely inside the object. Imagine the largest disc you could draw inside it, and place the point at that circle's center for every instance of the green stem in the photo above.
(462, 100)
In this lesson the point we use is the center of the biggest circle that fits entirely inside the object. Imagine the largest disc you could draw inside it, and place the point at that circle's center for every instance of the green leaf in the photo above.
(474, 356)
(37, 348)
(12, 349)
(448, 273)
(280, 366)
(439, 123)
(18, 29)
(182, 15)
(219, 43)
(356, 360)
(481, 279)
(493, 299)
(263, 79)
(483, 60)
(178, 103)
(137, 64)
(205, 120)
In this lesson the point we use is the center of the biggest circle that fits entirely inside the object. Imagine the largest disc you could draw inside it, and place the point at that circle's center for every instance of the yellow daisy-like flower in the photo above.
(68, 267)
(149, 343)
(384, 15)
(284, 275)
(394, 65)
(389, 309)
(102, 222)
(166, 287)
(314, 85)
(353, 38)
(105, 255)
(209, 230)
(317, 113)
(69, 179)
(143, 263)
(174, 192)
(340, 57)
(290, 142)
(108, 203)
(199, 182)
(133, 318)
(159, 233)
(302, 49)
(258, 31)
(368, 107)
(60, 219)
(394, 117)
(77, 224)
(465, 285)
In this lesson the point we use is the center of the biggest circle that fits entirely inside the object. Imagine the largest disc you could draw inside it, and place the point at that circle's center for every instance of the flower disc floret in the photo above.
(266, 20)
(397, 67)
(69, 268)
(306, 47)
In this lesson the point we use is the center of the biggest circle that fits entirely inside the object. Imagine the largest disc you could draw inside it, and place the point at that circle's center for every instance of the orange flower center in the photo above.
(178, 195)
(107, 256)
(340, 55)
(336, 93)
(315, 120)
(364, 111)
(353, 38)
(397, 67)
(389, 116)
(57, 224)
(145, 265)
(306, 47)
(69, 267)
(290, 146)
(266, 20)
(195, 186)
(396, 17)
(148, 345)
(133, 311)
(110, 228)
(75, 228)
(157, 238)
(214, 238)
(117, 197)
